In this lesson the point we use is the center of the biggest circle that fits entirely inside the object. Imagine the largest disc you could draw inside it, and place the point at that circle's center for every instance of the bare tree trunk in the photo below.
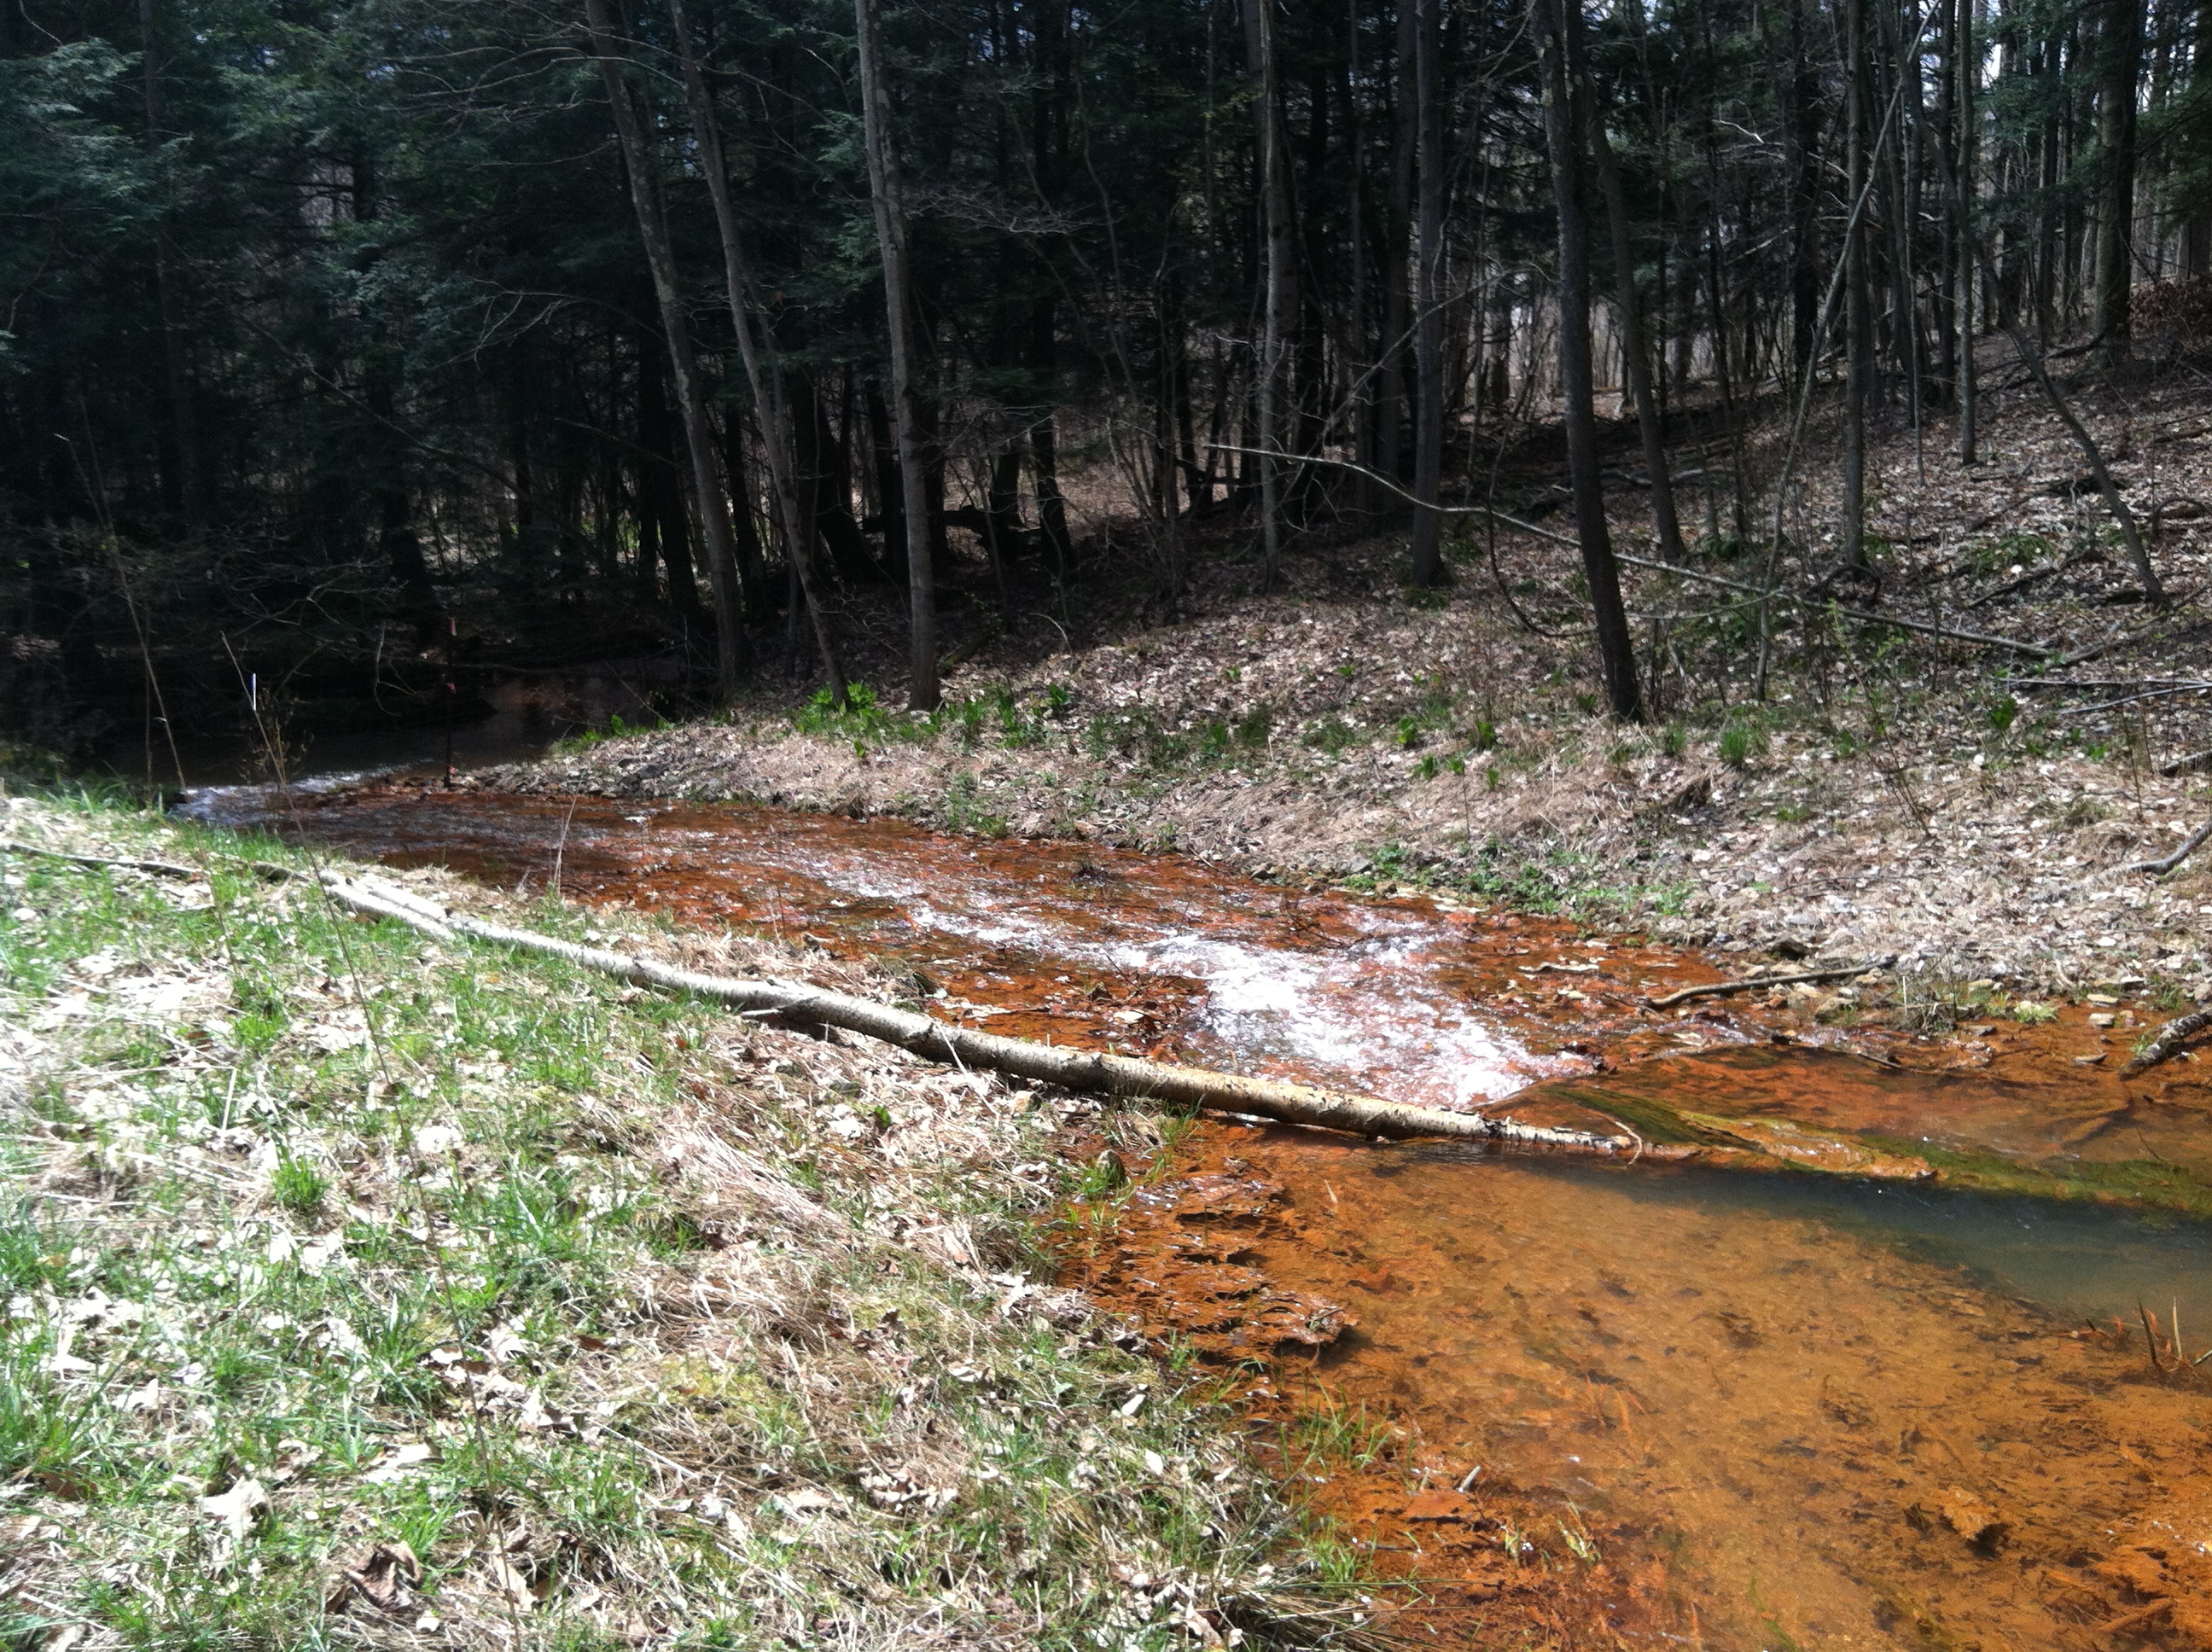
(691, 403)
(1962, 191)
(184, 470)
(762, 379)
(1397, 230)
(1429, 323)
(1635, 350)
(885, 187)
(1616, 646)
(1367, 496)
(1858, 319)
(1281, 279)
(2196, 249)
(2120, 46)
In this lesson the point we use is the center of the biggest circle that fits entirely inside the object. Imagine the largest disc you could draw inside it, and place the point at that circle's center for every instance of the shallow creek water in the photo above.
(1636, 1404)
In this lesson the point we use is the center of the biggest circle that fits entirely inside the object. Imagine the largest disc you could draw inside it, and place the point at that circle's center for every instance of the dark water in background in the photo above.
(530, 711)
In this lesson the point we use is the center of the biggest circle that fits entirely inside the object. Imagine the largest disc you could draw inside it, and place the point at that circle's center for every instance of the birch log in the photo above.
(1085, 1070)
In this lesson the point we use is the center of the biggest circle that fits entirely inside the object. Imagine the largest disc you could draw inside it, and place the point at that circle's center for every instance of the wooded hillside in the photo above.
(644, 322)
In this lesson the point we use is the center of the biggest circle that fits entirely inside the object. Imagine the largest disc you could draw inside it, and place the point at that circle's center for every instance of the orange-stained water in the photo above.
(1632, 1405)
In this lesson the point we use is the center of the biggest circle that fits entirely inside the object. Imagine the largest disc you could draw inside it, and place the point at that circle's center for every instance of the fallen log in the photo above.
(2166, 1043)
(1751, 983)
(1084, 1071)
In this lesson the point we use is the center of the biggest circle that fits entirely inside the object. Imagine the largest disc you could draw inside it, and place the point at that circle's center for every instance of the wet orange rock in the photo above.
(1439, 1505)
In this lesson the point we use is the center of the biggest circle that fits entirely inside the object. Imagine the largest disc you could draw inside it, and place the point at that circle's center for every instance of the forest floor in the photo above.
(1968, 807)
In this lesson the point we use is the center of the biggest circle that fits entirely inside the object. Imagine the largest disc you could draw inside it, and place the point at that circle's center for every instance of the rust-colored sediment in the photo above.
(1727, 1428)
(1695, 1424)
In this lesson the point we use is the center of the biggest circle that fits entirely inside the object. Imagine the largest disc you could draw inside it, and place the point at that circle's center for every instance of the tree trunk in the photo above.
(1083, 1070)
(1281, 276)
(1429, 324)
(2195, 250)
(1616, 646)
(1367, 497)
(660, 490)
(1859, 322)
(1635, 350)
(1397, 231)
(762, 379)
(1962, 229)
(2120, 48)
(885, 189)
(182, 479)
(1805, 139)
(691, 403)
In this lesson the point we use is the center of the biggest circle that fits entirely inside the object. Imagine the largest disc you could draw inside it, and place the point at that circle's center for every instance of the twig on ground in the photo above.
(159, 868)
(1723, 989)
(2190, 846)
(2031, 577)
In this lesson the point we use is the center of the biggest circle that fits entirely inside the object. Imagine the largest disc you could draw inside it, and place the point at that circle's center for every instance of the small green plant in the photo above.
(297, 1185)
(963, 811)
(2007, 551)
(1485, 736)
(1335, 1434)
(2084, 811)
(1058, 699)
(861, 718)
(1409, 733)
(1333, 736)
(1254, 727)
(1736, 745)
(2003, 714)
(2029, 1013)
(1673, 740)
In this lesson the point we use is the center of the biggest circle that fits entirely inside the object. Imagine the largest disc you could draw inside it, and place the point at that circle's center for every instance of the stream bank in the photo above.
(1742, 1409)
(357, 1288)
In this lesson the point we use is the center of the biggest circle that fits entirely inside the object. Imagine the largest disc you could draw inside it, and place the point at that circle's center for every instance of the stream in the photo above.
(1763, 1411)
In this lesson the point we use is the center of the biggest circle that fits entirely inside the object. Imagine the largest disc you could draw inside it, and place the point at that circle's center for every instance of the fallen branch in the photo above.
(2023, 683)
(2035, 650)
(159, 868)
(2031, 577)
(2166, 1042)
(1076, 1070)
(2195, 763)
(2190, 846)
(1724, 988)
(2137, 1619)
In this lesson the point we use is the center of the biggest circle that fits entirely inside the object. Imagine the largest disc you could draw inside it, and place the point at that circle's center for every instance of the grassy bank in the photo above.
(357, 1289)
